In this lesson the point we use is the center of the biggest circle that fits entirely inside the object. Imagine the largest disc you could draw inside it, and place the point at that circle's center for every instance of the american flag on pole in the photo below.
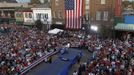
(73, 10)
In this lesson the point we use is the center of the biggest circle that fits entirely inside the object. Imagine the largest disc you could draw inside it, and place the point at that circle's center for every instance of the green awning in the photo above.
(124, 27)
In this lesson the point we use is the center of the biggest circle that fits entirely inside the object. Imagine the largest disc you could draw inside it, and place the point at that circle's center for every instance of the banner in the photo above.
(118, 10)
(73, 9)
(129, 19)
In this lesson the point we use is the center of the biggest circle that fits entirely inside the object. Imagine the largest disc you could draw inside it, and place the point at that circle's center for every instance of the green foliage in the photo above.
(45, 1)
(118, 20)
(125, 4)
(133, 4)
(39, 24)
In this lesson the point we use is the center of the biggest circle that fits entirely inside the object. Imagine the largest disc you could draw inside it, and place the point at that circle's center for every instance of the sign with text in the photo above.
(129, 19)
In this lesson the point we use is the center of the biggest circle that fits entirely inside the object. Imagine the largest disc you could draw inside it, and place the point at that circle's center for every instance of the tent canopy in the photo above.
(124, 27)
(55, 31)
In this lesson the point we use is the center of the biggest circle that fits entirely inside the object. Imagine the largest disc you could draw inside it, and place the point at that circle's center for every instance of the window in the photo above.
(87, 7)
(26, 15)
(3, 14)
(38, 15)
(43, 16)
(87, 4)
(18, 14)
(59, 14)
(46, 16)
(105, 16)
(103, 1)
(87, 15)
(30, 15)
(53, 14)
(56, 2)
(9, 15)
(98, 15)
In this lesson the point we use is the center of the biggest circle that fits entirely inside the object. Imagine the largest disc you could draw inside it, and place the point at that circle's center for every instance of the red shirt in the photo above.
(117, 72)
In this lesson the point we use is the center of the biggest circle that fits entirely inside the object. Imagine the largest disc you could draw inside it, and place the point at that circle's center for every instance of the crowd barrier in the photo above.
(37, 62)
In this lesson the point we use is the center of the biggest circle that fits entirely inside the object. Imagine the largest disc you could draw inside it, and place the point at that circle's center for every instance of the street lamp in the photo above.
(94, 28)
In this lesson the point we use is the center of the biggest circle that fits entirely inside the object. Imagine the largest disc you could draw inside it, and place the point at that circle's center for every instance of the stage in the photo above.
(62, 64)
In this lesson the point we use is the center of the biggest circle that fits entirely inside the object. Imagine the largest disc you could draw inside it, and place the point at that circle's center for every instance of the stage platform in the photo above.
(62, 64)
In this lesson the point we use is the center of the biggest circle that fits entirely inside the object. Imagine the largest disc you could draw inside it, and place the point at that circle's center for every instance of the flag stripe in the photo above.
(78, 5)
(80, 13)
(77, 12)
(67, 19)
(73, 13)
(72, 19)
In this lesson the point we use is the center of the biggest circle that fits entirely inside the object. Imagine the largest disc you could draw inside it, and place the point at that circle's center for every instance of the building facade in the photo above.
(43, 14)
(7, 10)
(124, 24)
(102, 12)
(58, 12)
(24, 17)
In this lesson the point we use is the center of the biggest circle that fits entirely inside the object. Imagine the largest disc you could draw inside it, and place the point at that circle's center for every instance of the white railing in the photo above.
(37, 62)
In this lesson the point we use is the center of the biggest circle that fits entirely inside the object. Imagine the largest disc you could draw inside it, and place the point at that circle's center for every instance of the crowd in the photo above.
(111, 57)
(20, 46)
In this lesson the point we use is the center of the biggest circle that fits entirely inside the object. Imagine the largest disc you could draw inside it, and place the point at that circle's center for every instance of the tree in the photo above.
(35, 2)
(133, 4)
(39, 24)
(44, 1)
(125, 4)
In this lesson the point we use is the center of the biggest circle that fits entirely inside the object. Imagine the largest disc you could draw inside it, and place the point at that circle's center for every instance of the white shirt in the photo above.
(91, 74)
(75, 73)
(68, 45)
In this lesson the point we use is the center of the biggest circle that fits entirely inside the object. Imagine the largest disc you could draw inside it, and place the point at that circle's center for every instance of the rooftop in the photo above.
(9, 1)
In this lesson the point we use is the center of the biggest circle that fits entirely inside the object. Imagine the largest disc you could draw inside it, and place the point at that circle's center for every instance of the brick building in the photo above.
(102, 13)
(99, 13)
(7, 10)
(58, 13)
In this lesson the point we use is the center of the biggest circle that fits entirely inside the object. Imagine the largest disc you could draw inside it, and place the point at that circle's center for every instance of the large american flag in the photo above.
(73, 10)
